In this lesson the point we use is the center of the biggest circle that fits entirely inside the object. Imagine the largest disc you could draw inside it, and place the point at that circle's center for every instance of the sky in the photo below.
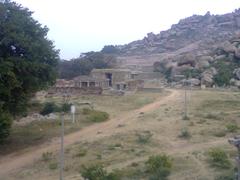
(78, 26)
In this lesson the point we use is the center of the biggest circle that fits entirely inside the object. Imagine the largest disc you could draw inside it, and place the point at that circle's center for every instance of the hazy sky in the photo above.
(87, 25)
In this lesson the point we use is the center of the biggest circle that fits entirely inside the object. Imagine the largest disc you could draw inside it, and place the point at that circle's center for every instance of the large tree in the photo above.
(28, 60)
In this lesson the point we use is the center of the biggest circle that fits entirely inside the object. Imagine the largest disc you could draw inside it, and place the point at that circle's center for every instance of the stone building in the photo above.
(99, 80)
(89, 82)
(120, 79)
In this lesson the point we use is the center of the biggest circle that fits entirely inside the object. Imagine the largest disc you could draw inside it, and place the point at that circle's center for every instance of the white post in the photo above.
(73, 110)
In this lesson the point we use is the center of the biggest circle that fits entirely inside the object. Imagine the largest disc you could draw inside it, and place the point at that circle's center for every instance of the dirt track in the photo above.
(16, 161)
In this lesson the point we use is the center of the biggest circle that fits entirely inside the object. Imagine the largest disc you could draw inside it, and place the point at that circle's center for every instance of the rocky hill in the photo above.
(200, 46)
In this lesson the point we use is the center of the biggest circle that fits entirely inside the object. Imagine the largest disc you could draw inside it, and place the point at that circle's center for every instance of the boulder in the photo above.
(237, 53)
(220, 57)
(238, 22)
(193, 82)
(228, 47)
(206, 58)
(236, 72)
(207, 77)
(202, 64)
(235, 82)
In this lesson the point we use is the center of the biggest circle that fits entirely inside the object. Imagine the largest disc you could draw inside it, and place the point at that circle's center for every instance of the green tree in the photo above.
(28, 59)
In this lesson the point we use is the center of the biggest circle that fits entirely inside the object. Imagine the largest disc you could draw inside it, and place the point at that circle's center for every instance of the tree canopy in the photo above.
(85, 63)
(28, 59)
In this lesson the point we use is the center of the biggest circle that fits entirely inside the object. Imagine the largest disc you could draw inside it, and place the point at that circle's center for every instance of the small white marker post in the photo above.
(73, 110)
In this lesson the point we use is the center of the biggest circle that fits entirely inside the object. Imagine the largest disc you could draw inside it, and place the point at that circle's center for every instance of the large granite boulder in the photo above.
(207, 77)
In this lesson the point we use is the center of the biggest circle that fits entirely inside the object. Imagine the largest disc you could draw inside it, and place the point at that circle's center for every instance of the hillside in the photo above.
(198, 46)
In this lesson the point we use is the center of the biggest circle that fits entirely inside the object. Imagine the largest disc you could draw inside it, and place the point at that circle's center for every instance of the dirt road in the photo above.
(14, 162)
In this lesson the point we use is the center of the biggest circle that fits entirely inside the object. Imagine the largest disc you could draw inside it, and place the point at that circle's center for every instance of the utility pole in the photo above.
(62, 148)
(66, 97)
(185, 100)
(236, 142)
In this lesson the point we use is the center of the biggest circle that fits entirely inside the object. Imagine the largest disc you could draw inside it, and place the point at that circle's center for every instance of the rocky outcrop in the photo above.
(207, 29)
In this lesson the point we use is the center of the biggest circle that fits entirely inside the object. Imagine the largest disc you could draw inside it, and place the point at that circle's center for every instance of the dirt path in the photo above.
(16, 161)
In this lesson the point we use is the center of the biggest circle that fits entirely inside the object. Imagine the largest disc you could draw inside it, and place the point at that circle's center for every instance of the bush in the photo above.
(51, 107)
(66, 107)
(97, 172)
(53, 166)
(48, 108)
(232, 127)
(159, 167)
(222, 78)
(185, 134)
(47, 156)
(5, 125)
(144, 137)
(219, 159)
(97, 116)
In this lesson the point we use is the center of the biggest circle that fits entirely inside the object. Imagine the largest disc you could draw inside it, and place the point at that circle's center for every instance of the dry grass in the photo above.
(210, 112)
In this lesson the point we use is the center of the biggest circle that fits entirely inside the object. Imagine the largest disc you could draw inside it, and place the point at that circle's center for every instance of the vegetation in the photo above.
(159, 166)
(84, 64)
(51, 107)
(97, 172)
(185, 133)
(219, 158)
(144, 137)
(110, 49)
(28, 61)
(192, 73)
(95, 116)
(232, 127)
(224, 69)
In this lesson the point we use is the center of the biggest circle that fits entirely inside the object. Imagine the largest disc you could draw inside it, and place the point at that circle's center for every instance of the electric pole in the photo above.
(66, 97)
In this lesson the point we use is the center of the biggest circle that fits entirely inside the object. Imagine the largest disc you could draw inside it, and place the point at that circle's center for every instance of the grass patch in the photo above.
(53, 166)
(219, 159)
(96, 116)
(232, 128)
(159, 166)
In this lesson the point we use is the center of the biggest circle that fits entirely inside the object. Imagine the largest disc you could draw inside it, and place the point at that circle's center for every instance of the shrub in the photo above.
(219, 159)
(66, 107)
(53, 166)
(144, 137)
(5, 125)
(47, 156)
(232, 127)
(97, 116)
(48, 108)
(185, 134)
(81, 153)
(97, 172)
(159, 166)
